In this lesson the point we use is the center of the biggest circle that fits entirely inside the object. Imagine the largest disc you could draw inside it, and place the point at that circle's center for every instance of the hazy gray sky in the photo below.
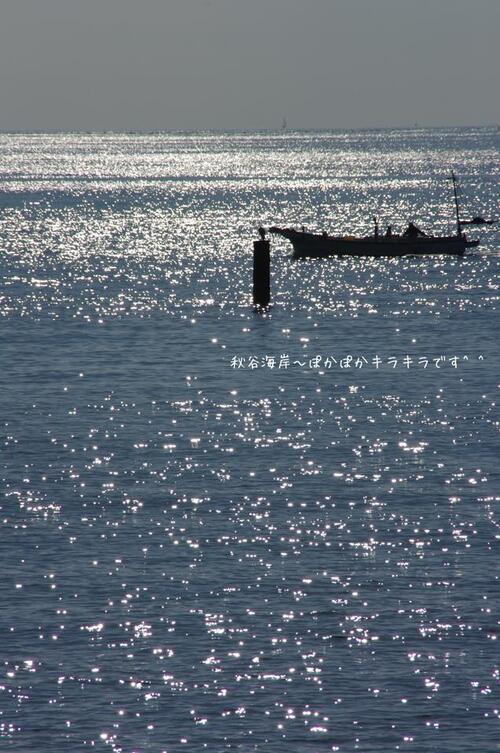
(216, 64)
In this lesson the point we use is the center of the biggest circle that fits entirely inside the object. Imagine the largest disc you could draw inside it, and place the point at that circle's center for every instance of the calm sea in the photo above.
(223, 531)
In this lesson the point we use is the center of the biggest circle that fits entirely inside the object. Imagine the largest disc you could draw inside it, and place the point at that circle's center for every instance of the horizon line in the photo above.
(281, 131)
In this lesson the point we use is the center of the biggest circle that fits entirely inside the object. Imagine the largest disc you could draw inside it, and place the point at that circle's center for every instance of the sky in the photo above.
(151, 65)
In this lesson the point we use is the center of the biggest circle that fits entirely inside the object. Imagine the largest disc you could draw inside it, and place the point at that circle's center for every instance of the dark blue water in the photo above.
(225, 531)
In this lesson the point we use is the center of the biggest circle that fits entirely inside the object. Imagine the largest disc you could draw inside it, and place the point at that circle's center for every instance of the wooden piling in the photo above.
(261, 273)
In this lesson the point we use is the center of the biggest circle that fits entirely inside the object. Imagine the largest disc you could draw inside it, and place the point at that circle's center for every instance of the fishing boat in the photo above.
(412, 241)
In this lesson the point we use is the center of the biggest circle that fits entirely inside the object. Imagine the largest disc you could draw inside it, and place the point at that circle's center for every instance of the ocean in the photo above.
(230, 531)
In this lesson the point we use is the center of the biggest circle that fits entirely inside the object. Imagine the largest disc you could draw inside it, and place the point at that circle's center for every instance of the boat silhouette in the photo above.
(412, 241)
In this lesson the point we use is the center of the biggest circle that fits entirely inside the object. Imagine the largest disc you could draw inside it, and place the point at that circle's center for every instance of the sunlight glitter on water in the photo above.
(200, 556)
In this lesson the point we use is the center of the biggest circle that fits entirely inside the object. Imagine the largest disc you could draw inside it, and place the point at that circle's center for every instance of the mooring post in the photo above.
(261, 273)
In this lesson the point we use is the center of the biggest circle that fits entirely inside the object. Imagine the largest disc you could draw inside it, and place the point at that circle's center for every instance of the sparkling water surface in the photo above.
(230, 531)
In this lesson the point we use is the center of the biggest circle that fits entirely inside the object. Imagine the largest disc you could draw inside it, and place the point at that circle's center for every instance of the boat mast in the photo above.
(457, 210)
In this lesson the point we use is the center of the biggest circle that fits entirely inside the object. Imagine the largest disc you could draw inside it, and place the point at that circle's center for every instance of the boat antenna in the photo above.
(457, 210)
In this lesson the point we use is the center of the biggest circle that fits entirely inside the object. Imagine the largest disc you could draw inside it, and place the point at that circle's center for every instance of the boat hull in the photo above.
(307, 245)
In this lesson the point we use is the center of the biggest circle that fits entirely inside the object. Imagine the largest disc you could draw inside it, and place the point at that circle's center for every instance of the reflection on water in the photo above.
(200, 557)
